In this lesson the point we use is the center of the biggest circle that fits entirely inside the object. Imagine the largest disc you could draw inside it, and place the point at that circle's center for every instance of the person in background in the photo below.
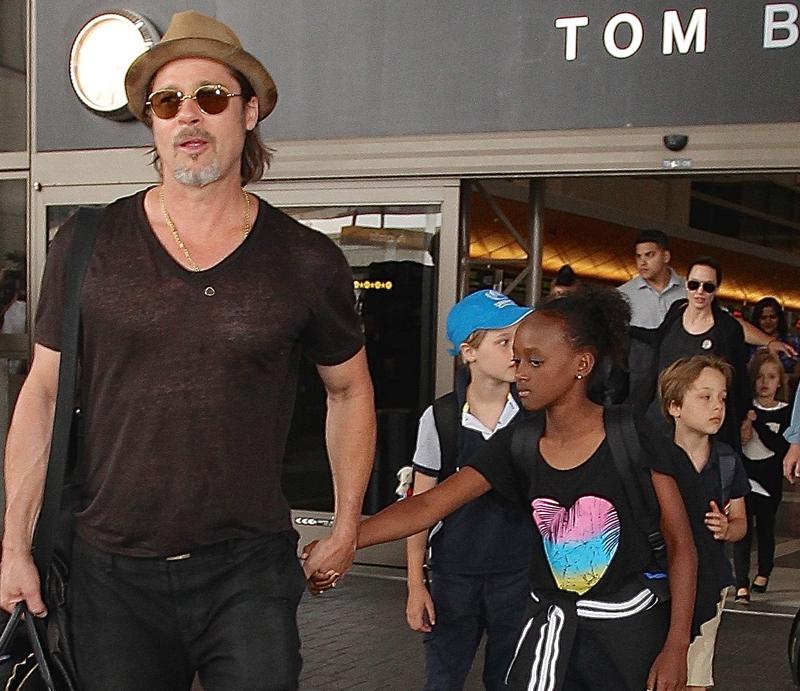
(565, 281)
(769, 317)
(697, 325)
(658, 285)
(12, 297)
(478, 557)
(692, 393)
(763, 447)
(791, 461)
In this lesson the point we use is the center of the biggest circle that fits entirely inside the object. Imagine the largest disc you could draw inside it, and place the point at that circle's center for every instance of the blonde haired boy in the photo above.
(693, 392)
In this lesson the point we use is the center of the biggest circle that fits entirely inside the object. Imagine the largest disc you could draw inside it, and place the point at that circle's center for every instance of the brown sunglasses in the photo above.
(212, 99)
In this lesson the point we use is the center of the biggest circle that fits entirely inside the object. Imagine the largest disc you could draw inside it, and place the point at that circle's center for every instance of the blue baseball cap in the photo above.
(486, 309)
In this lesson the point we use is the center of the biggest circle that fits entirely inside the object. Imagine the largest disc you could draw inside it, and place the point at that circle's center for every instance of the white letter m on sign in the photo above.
(674, 35)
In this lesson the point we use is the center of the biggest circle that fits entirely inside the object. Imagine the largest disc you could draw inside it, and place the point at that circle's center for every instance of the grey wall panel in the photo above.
(349, 68)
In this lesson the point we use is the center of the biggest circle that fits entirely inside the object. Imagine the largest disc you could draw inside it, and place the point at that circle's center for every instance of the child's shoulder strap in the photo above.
(626, 453)
(726, 457)
(527, 431)
(447, 416)
(626, 450)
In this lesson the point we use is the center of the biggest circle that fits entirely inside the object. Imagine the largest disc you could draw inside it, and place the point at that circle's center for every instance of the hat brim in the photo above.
(141, 72)
(512, 316)
(504, 318)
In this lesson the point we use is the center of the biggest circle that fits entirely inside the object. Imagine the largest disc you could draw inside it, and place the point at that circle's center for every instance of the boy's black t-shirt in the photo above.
(712, 485)
(586, 539)
(712, 480)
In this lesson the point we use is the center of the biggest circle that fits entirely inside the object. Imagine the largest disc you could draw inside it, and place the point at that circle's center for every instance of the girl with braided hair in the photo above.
(593, 618)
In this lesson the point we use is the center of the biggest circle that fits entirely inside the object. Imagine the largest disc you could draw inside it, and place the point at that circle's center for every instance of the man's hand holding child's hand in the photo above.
(317, 582)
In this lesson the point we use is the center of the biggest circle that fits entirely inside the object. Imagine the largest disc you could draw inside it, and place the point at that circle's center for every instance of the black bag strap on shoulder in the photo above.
(727, 469)
(86, 226)
(626, 452)
(447, 417)
(525, 437)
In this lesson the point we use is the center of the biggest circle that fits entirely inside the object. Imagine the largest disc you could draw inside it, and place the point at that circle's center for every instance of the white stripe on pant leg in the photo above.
(519, 645)
(543, 668)
(537, 654)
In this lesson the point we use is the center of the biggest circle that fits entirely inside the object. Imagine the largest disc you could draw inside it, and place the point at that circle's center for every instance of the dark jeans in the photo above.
(227, 612)
(761, 511)
(466, 606)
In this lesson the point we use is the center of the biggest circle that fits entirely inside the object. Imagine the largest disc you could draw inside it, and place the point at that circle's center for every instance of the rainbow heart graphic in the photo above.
(579, 542)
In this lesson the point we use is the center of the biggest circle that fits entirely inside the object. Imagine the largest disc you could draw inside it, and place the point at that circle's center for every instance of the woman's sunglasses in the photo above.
(212, 99)
(708, 286)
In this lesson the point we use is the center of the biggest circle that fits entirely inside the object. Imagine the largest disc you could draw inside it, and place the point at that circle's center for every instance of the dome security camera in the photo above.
(676, 142)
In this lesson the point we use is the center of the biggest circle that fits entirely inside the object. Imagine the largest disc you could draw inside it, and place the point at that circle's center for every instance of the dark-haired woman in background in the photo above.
(697, 325)
(768, 315)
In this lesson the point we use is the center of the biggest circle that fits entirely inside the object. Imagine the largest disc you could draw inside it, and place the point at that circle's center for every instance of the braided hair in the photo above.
(597, 317)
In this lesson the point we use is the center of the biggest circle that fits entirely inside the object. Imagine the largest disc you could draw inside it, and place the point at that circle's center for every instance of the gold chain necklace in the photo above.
(178, 241)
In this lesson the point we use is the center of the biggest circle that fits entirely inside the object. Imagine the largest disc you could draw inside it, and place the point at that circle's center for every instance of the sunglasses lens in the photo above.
(708, 287)
(165, 104)
(212, 99)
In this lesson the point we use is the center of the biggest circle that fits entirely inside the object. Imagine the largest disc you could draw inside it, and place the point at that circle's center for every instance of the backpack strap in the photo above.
(626, 452)
(447, 417)
(525, 436)
(727, 469)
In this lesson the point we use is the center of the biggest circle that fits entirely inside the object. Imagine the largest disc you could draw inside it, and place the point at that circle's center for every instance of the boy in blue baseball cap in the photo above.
(478, 557)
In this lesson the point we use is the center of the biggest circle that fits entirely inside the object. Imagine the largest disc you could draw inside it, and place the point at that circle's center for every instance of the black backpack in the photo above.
(447, 416)
(626, 452)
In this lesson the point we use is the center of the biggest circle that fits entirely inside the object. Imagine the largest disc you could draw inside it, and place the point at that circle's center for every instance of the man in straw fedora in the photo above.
(198, 302)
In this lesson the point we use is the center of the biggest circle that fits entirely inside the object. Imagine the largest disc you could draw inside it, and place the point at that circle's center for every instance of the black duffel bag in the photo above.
(34, 653)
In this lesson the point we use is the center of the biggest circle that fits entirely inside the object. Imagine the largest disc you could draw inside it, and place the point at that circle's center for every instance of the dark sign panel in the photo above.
(362, 68)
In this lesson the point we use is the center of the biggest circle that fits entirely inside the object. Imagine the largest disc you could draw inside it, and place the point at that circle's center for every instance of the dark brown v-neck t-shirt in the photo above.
(188, 379)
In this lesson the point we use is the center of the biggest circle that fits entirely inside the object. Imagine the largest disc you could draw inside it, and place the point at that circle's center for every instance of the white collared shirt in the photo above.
(428, 453)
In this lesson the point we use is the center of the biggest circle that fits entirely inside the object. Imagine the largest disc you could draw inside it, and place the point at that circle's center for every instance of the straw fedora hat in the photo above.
(194, 35)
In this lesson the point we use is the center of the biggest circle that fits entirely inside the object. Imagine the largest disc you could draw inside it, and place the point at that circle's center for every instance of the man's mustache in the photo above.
(190, 133)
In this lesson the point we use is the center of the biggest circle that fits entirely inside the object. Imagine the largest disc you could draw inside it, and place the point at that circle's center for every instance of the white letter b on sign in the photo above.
(773, 23)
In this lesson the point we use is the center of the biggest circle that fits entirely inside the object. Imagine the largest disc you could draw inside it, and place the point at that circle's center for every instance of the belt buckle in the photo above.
(179, 557)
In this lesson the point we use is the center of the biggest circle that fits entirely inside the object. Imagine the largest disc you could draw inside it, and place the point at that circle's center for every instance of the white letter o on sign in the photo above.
(637, 35)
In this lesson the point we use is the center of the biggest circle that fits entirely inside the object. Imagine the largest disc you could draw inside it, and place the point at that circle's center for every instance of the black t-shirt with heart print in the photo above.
(586, 540)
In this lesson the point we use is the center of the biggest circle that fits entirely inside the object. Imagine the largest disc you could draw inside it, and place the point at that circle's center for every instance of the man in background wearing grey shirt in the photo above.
(650, 295)
(657, 286)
